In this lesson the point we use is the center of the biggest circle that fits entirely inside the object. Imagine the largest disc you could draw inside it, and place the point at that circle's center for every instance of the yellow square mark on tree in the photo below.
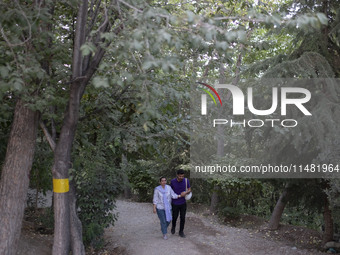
(60, 185)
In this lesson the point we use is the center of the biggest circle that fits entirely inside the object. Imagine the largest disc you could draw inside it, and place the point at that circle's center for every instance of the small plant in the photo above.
(45, 221)
(230, 212)
(93, 235)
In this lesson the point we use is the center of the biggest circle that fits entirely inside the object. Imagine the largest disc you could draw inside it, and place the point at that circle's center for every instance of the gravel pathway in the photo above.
(138, 231)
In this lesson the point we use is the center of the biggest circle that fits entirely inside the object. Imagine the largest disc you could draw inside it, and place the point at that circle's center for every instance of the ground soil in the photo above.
(137, 231)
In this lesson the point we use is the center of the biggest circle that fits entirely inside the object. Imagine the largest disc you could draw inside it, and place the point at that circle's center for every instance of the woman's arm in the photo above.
(173, 194)
(155, 200)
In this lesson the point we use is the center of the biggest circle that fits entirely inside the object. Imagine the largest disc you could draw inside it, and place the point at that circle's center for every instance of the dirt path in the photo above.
(138, 232)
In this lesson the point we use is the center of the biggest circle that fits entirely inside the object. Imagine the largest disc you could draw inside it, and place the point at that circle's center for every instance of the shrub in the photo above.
(143, 179)
(96, 194)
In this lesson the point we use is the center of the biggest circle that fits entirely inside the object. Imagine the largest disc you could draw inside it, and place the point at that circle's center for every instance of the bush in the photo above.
(45, 221)
(96, 194)
(143, 179)
(93, 235)
(230, 212)
(238, 196)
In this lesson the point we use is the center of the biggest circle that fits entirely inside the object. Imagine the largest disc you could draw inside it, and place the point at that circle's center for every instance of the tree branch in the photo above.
(106, 21)
(79, 40)
(49, 138)
(131, 6)
(93, 14)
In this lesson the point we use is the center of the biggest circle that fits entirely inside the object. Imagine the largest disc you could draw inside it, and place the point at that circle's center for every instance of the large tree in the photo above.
(22, 73)
(312, 53)
(20, 45)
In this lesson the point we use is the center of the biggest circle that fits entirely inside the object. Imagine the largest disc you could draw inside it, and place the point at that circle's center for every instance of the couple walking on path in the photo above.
(167, 197)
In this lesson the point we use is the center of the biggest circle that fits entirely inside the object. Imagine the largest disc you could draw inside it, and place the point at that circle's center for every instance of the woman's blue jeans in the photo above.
(164, 223)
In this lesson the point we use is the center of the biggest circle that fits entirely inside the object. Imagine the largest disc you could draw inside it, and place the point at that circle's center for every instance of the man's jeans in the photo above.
(179, 209)
(164, 223)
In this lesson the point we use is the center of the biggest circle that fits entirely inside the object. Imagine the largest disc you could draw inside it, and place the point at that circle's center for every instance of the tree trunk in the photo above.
(220, 152)
(214, 200)
(61, 165)
(220, 148)
(328, 221)
(83, 68)
(76, 227)
(62, 154)
(278, 210)
(127, 188)
(15, 176)
(67, 216)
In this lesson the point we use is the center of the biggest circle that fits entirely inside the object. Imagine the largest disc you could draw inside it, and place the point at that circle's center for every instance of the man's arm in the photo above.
(189, 188)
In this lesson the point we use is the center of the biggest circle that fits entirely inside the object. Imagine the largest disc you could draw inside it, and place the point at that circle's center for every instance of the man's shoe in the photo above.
(172, 231)
(165, 237)
(181, 234)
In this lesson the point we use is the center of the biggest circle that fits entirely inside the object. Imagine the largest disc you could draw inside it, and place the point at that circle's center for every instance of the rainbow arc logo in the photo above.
(209, 93)
(204, 97)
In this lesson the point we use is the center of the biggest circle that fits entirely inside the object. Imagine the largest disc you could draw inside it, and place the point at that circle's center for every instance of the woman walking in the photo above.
(162, 204)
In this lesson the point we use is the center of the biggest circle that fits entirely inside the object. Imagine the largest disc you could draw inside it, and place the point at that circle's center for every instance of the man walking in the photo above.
(179, 206)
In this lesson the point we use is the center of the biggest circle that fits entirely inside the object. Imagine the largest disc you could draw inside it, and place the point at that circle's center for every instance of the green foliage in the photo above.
(22, 71)
(97, 190)
(301, 215)
(305, 201)
(97, 179)
(263, 200)
(230, 212)
(259, 197)
(41, 176)
(96, 166)
(333, 194)
(140, 107)
(202, 189)
(143, 179)
(238, 195)
(45, 221)
(6, 108)
(93, 235)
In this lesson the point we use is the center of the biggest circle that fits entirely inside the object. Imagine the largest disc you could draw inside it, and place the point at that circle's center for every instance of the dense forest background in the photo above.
(98, 92)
